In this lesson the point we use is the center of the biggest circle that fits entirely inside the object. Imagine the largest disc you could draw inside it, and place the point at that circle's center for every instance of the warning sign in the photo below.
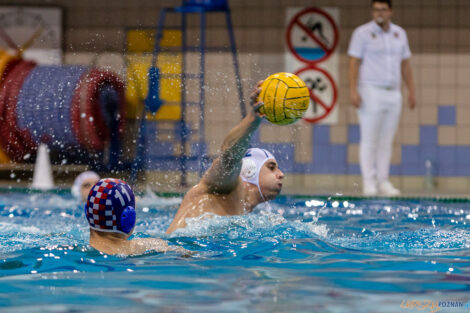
(311, 53)
(323, 93)
(312, 35)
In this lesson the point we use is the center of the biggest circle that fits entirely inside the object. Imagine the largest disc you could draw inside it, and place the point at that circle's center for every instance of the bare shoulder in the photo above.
(196, 191)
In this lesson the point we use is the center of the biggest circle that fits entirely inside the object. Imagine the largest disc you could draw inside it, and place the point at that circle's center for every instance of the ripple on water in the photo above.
(295, 255)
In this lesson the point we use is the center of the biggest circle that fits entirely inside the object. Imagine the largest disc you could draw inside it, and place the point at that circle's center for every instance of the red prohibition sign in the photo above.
(328, 107)
(295, 21)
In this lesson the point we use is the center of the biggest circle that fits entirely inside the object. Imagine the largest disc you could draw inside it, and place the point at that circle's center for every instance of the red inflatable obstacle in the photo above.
(62, 106)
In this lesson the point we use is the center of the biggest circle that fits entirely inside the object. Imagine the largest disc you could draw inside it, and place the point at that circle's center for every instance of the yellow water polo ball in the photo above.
(285, 97)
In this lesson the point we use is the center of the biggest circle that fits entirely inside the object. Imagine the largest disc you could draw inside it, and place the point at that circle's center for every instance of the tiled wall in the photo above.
(316, 156)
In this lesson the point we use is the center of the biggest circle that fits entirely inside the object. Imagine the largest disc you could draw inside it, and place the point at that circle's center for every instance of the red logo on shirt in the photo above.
(395, 34)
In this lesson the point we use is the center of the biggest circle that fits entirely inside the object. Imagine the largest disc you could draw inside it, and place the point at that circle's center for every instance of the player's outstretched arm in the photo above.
(222, 176)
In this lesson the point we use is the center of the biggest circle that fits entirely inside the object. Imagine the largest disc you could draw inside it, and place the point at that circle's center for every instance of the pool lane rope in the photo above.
(62, 106)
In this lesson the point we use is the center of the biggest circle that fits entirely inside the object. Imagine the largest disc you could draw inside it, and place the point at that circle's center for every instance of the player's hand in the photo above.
(254, 103)
(355, 99)
(411, 100)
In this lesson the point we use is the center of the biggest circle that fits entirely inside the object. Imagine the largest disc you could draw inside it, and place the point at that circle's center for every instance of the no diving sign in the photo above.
(312, 35)
(311, 39)
(323, 93)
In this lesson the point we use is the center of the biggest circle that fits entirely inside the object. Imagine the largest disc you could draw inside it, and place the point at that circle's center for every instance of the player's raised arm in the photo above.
(222, 176)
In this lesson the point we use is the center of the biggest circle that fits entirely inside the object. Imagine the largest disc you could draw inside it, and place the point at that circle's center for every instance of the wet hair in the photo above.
(388, 2)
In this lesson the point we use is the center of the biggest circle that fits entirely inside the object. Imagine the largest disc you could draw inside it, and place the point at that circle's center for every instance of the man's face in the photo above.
(270, 179)
(86, 186)
(381, 13)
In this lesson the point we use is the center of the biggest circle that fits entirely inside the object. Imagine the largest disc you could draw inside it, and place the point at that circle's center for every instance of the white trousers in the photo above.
(379, 115)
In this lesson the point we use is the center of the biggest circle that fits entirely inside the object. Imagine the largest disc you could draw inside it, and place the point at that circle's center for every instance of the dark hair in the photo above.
(389, 2)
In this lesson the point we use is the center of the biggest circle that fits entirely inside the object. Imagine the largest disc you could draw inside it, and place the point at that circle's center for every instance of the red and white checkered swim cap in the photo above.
(111, 206)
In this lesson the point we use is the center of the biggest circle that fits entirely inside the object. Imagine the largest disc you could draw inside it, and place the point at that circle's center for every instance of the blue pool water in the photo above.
(302, 255)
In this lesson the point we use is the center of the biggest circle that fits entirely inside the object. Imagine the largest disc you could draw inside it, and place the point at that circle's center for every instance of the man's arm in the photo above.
(408, 78)
(353, 77)
(222, 176)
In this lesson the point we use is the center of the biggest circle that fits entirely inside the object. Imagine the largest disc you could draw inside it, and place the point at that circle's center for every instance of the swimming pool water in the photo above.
(300, 255)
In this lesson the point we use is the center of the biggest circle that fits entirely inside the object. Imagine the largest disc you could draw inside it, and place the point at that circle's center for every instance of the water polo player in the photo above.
(239, 178)
(110, 212)
(83, 183)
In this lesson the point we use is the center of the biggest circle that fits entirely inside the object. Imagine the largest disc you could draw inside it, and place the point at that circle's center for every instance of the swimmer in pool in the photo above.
(83, 183)
(239, 178)
(110, 212)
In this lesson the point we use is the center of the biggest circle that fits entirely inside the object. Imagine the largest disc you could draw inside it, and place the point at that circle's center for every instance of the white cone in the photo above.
(42, 177)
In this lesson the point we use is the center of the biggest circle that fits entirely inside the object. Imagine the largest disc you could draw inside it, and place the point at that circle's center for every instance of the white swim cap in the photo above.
(253, 160)
(79, 181)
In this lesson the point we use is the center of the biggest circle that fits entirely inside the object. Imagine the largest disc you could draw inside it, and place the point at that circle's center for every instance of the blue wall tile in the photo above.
(446, 170)
(409, 154)
(396, 169)
(463, 155)
(446, 156)
(321, 134)
(447, 115)
(428, 152)
(354, 169)
(353, 134)
(462, 169)
(428, 135)
(321, 154)
(338, 154)
(411, 169)
(339, 169)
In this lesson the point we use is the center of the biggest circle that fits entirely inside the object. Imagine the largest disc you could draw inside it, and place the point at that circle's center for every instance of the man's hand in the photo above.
(254, 105)
(353, 75)
(408, 78)
(411, 100)
(355, 98)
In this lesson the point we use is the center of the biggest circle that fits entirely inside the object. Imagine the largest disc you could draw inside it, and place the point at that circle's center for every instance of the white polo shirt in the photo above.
(381, 54)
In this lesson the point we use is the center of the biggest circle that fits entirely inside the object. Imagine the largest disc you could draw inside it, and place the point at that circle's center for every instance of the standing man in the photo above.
(379, 57)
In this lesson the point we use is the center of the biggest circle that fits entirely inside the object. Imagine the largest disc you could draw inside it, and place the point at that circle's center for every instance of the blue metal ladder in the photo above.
(152, 103)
